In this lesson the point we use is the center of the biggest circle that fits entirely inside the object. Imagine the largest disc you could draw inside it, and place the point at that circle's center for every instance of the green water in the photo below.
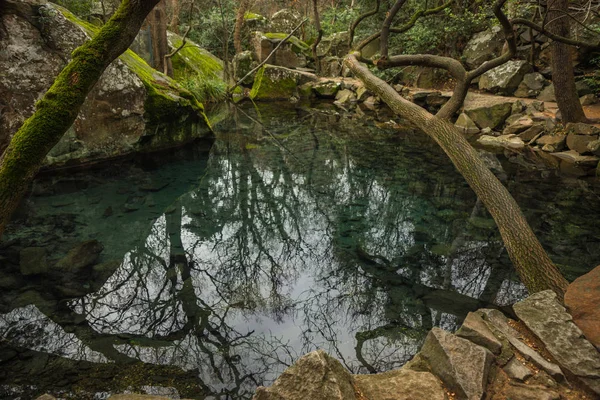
(223, 264)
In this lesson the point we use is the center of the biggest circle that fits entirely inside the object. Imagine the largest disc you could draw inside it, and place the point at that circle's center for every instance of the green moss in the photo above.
(166, 100)
(194, 60)
(252, 16)
(273, 83)
(298, 46)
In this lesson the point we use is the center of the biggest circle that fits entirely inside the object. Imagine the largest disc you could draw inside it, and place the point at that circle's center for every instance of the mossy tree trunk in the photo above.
(58, 108)
(531, 262)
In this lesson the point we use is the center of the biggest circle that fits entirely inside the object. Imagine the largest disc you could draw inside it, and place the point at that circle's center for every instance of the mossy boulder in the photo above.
(192, 59)
(334, 45)
(243, 63)
(132, 108)
(488, 115)
(292, 54)
(284, 20)
(278, 83)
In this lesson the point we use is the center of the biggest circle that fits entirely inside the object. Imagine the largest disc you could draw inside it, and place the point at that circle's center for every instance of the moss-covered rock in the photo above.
(192, 59)
(132, 108)
(292, 54)
(278, 83)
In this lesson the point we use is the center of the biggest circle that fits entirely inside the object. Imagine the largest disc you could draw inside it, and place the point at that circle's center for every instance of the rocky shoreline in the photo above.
(543, 351)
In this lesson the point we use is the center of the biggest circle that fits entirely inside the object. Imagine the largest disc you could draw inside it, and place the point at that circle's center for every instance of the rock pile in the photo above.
(543, 356)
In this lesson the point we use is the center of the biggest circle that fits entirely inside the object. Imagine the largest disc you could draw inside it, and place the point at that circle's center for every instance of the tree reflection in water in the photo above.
(310, 231)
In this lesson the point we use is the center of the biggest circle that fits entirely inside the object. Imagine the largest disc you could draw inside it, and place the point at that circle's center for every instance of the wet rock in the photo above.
(401, 384)
(500, 323)
(475, 330)
(582, 299)
(315, 376)
(518, 126)
(574, 157)
(466, 125)
(506, 78)
(527, 392)
(33, 261)
(579, 143)
(532, 132)
(581, 128)
(547, 94)
(549, 321)
(489, 115)
(556, 141)
(483, 46)
(506, 141)
(462, 365)
(588, 100)
(516, 370)
(326, 89)
(81, 256)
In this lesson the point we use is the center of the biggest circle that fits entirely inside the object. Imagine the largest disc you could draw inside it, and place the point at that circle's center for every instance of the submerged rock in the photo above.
(33, 261)
(315, 376)
(81, 256)
(549, 321)
(582, 300)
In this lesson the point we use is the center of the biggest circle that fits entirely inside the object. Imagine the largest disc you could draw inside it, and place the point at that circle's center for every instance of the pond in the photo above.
(297, 229)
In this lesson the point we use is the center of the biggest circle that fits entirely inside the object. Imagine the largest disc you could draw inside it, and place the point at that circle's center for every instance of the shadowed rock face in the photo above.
(121, 115)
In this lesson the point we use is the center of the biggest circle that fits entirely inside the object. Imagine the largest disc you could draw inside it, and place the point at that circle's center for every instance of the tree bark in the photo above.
(175, 9)
(58, 108)
(563, 76)
(239, 24)
(319, 35)
(531, 262)
(157, 20)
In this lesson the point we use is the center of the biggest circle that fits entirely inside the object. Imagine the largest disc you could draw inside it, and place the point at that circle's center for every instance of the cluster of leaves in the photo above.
(212, 28)
(444, 33)
(337, 19)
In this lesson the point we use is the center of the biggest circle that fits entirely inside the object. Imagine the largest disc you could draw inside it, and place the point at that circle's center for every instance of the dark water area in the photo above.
(223, 264)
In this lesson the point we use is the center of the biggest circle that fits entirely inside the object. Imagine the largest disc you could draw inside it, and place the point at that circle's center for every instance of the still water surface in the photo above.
(220, 268)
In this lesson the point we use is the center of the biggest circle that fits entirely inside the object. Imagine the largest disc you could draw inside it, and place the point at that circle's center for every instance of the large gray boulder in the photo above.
(553, 325)
(291, 54)
(483, 46)
(463, 366)
(506, 78)
(284, 20)
(334, 45)
(531, 85)
(401, 384)
(132, 108)
(315, 376)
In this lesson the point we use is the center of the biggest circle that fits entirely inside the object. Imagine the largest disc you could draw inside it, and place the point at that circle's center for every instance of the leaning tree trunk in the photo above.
(239, 24)
(563, 76)
(531, 262)
(58, 109)
(157, 20)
